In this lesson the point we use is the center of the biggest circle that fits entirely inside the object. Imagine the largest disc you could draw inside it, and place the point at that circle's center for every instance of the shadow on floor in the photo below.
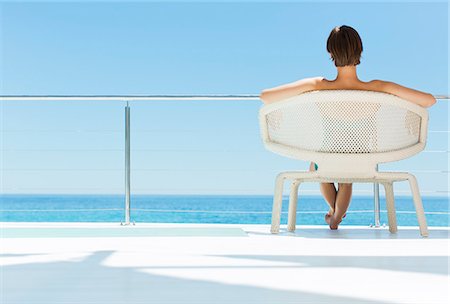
(14, 255)
(88, 281)
(418, 264)
(355, 233)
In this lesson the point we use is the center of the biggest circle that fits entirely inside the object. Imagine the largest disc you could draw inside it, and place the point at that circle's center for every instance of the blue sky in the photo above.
(192, 48)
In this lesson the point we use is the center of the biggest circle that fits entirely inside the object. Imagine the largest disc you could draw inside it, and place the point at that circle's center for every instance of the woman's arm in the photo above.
(289, 90)
(421, 98)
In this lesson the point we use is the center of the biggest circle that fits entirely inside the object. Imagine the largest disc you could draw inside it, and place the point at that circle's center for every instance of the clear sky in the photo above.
(192, 48)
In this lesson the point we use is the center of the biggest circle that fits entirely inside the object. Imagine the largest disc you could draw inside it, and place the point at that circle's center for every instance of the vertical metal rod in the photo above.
(127, 164)
(376, 202)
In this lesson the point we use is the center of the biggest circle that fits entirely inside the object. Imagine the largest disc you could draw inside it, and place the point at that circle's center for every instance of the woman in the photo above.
(345, 47)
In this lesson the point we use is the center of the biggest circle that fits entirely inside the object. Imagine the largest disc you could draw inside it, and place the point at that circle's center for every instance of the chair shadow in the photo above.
(89, 281)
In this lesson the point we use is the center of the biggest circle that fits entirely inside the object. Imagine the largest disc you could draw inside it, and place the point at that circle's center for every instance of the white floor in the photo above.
(314, 265)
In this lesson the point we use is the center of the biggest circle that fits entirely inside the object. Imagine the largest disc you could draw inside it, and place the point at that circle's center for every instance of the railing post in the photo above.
(376, 202)
(127, 164)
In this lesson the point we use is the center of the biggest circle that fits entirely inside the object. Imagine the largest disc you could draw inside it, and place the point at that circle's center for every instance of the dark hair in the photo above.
(345, 46)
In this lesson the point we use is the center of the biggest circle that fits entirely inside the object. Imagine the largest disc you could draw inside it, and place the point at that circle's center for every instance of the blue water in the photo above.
(203, 209)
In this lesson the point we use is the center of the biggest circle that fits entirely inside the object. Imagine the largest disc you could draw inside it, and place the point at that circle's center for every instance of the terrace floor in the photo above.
(45, 263)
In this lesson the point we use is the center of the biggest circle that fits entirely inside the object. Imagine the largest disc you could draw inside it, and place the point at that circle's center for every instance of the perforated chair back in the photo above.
(351, 127)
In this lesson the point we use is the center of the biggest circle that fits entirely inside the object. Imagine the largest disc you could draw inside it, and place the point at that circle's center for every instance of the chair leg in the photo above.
(418, 205)
(277, 201)
(293, 198)
(390, 206)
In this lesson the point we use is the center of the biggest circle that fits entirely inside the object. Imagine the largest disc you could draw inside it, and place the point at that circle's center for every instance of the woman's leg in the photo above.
(343, 197)
(328, 191)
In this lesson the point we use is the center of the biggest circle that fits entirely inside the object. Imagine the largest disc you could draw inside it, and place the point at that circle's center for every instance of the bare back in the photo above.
(324, 84)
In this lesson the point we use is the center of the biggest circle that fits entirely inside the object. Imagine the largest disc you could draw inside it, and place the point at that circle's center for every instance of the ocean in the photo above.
(205, 209)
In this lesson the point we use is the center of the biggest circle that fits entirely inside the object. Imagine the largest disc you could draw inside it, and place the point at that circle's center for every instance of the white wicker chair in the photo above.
(347, 133)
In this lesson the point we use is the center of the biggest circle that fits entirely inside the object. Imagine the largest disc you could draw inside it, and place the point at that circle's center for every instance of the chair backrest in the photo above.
(352, 127)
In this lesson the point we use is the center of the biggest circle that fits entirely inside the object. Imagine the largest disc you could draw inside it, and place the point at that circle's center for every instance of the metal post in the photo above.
(376, 202)
(127, 164)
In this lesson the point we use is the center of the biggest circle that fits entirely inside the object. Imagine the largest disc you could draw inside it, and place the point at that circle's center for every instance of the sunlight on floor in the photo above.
(313, 265)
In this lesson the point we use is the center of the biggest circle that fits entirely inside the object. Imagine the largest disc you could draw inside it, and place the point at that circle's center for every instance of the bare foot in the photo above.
(334, 222)
(329, 215)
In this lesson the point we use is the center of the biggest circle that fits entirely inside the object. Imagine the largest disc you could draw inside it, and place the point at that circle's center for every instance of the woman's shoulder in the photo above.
(418, 97)
(321, 83)
(379, 85)
(385, 86)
